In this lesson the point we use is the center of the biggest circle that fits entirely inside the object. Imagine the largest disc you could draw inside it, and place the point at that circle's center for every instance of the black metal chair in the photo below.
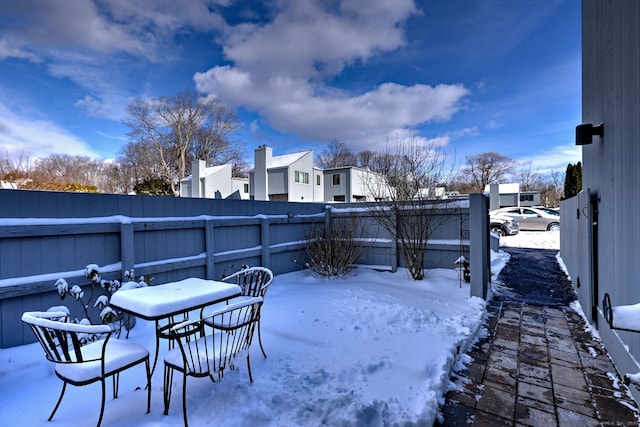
(85, 354)
(254, 282)
(199, 354)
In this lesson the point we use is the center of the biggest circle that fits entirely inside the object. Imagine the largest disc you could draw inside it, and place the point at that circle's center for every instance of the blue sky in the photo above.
(470, 75)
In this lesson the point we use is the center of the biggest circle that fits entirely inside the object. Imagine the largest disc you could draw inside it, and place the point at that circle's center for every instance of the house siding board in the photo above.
(610, 94)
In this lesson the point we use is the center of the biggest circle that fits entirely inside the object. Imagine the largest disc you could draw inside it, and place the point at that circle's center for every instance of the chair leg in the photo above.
(148, 368)
(104, 394)
(116, 384)
(249, 368)
(184, 399)
(64, 387)
(260, 340)
(168, 381)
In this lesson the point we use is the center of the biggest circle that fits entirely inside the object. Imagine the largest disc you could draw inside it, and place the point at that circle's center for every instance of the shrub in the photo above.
(333, 249)
(107, 314)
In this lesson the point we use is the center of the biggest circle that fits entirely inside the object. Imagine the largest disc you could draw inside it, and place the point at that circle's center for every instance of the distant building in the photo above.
(292, 178)
(510, 195)
(8, 185)
(289, 177)
(353, 184)
(214, 182)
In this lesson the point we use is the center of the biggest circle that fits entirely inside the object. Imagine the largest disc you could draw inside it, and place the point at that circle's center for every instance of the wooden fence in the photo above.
(46, 236)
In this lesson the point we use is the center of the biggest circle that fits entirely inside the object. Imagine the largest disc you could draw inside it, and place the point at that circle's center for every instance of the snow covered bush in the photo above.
(108, 287)
(334, 249)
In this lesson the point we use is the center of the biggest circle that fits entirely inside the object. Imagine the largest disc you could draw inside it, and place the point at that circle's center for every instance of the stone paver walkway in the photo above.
(538, 366)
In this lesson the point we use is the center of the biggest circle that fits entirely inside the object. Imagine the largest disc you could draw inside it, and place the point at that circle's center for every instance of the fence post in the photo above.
(265, 242)
(209, 247)
(394, 245)
(127, 250)
(479, 252)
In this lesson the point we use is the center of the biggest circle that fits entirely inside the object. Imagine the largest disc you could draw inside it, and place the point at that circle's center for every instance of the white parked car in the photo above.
(531, 218)
(503, 225)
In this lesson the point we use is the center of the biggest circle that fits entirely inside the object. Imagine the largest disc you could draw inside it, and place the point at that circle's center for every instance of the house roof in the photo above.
(287, 159)
(207, 171)
(505, 188)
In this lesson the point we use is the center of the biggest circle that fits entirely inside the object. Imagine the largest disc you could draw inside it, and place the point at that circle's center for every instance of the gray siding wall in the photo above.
(611, 94)
(47, 235)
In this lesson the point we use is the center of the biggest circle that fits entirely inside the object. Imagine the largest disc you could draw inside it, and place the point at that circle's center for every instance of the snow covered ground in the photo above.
(370, 350)
(533, 239)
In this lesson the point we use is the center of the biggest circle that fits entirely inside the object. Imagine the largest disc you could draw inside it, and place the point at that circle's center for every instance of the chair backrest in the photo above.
(62, 341)
(231, 338)
(254, 281)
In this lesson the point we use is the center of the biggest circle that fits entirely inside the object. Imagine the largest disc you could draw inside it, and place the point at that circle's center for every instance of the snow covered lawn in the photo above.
(374, 349)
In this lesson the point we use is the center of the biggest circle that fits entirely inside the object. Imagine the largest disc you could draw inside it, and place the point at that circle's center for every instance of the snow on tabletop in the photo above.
(159, 300)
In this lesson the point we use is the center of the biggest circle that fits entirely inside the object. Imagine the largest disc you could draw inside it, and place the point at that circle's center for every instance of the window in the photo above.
(246, 188)
(335, 179)
(339, 198)
(526, 197)
(302, 177)
(317, 179)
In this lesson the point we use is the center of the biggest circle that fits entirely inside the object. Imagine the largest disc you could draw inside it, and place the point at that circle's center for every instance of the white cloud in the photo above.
(555, 158)
(9, 50)
(307, 40)
(280, 69)
(494, 124)
(322, 114)
(106, 27)
(29, 137)
(94, 107)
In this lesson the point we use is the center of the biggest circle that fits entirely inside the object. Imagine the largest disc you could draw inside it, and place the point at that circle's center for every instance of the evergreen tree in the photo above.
(573, 180)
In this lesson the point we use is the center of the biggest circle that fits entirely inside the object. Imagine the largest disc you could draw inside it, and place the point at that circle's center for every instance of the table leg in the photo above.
(155, 358)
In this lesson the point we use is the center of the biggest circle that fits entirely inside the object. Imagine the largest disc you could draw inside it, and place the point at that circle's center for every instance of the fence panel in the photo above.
(167, 239)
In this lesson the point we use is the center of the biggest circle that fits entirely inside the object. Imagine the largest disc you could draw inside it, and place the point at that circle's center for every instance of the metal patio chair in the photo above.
(85, 354)
(199, 354)
(254, 282)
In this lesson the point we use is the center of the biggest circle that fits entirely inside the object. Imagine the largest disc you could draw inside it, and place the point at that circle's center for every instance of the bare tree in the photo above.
(137, 162)
(529, 179)
(366, 158)
(14, 171)
(179, 128)
(488, 168)
(406, 186)
(62, 172)
(336, 155)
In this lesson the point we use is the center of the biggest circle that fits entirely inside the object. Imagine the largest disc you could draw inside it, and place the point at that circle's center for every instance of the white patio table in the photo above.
(162, 302)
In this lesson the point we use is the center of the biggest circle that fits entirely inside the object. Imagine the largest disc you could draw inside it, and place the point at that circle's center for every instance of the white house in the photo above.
(214, 182)
(289, 177)
(510, 195)
(353, 184)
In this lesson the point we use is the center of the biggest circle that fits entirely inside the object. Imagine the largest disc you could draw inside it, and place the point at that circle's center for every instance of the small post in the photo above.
(479, 252)
(127, 249)
(265, 242)
(209, 247)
